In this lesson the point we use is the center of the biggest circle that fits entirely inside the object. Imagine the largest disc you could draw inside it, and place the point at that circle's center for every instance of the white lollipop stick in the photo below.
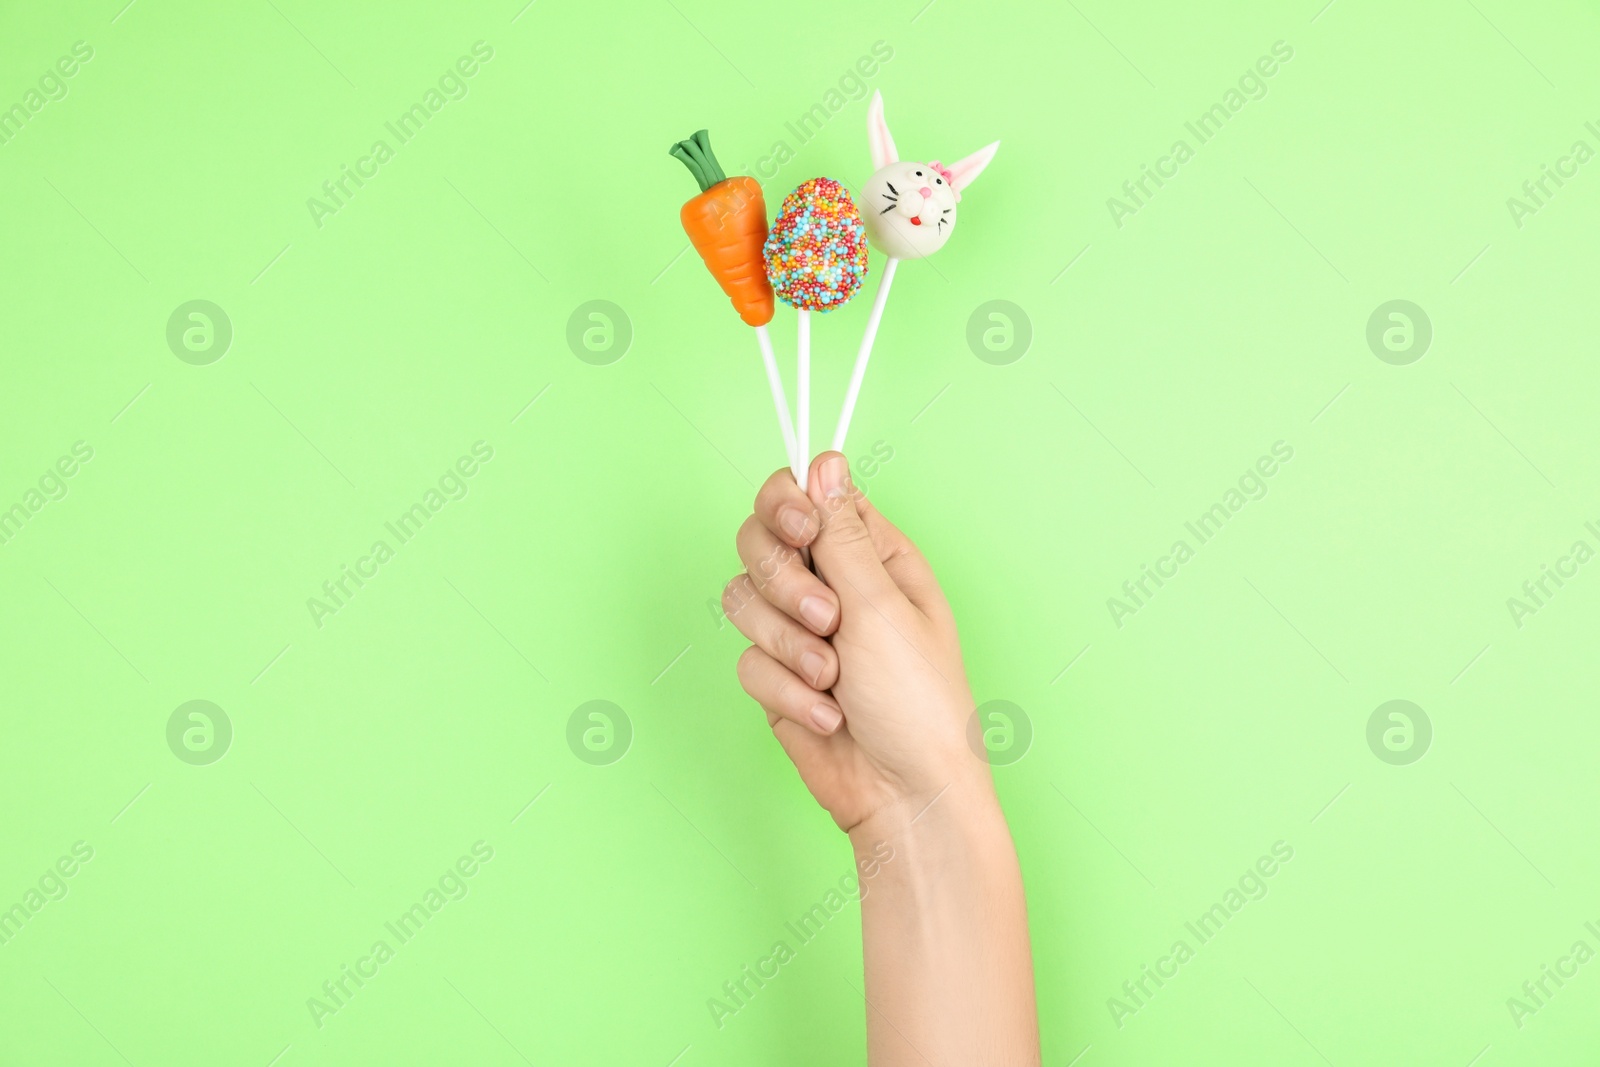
(779, 401)
(803, 402)
(865, 353)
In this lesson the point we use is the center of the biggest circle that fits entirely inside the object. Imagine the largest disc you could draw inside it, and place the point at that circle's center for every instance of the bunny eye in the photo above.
(938, 181)
(919, 174)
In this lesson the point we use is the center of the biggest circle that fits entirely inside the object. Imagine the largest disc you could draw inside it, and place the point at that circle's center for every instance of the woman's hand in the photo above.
(860, 672)
(857, 665)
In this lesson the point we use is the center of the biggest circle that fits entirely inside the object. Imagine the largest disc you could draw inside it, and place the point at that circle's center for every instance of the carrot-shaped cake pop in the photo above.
(727, 224)
(816, 259)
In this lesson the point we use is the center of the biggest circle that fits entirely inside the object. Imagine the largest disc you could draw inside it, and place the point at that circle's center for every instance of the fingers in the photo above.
(844, 551)
(781, 694)
(779, 636)
(783, 507)
(789, 514)
(785, 581)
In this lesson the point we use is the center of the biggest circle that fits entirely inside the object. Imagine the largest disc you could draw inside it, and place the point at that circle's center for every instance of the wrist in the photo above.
(964, 805)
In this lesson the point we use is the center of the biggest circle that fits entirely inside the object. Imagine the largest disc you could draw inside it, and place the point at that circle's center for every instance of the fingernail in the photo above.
(797, 524)
(834, 476)
(826, 718)
(816, 611)
(811, 664)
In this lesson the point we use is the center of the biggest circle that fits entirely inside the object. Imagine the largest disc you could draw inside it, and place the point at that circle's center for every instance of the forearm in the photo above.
(949, 972)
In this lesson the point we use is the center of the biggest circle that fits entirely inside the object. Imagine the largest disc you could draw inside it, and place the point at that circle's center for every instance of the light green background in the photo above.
(369, 354)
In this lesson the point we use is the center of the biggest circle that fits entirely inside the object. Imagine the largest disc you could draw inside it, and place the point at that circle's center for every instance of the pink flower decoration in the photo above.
(949, 179)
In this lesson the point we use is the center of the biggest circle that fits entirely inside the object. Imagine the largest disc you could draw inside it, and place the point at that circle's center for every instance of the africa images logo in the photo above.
(453, 885)
(453, 484)
(452, 85)
(1252, 485)
(1251, 887)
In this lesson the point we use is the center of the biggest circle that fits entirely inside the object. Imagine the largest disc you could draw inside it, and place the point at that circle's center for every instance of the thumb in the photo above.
(844, 552)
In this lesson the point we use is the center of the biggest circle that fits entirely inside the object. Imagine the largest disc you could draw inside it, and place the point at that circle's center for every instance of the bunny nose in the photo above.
(925, 191)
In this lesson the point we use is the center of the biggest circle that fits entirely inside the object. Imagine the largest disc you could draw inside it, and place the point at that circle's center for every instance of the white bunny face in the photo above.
(909, 208)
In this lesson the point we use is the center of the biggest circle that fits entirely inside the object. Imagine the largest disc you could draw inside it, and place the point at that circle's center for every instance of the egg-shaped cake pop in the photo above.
(816, 250)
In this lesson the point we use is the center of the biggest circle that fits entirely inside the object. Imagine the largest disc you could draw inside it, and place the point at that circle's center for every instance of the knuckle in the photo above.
(785, 698)
(849, 530)
(745, 538)
(791, 646)
(774, 485)
(769, 567)
(768, 495)
(737, 593)
(749, 662)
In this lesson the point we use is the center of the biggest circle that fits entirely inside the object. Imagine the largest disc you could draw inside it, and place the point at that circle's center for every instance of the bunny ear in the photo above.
(883, 150)
(964, 172)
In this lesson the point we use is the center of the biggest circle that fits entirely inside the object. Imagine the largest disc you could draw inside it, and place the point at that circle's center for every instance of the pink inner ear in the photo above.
(878, 137)
(966, 170)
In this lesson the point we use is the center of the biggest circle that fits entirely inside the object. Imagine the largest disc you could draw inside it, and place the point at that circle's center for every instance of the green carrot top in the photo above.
(696, 154)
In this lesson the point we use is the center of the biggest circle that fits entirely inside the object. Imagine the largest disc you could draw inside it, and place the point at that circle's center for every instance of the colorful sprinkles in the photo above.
(816, 251)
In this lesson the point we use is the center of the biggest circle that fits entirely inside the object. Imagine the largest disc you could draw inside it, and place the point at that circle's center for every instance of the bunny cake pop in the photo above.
(910, 211)
(912, 206)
